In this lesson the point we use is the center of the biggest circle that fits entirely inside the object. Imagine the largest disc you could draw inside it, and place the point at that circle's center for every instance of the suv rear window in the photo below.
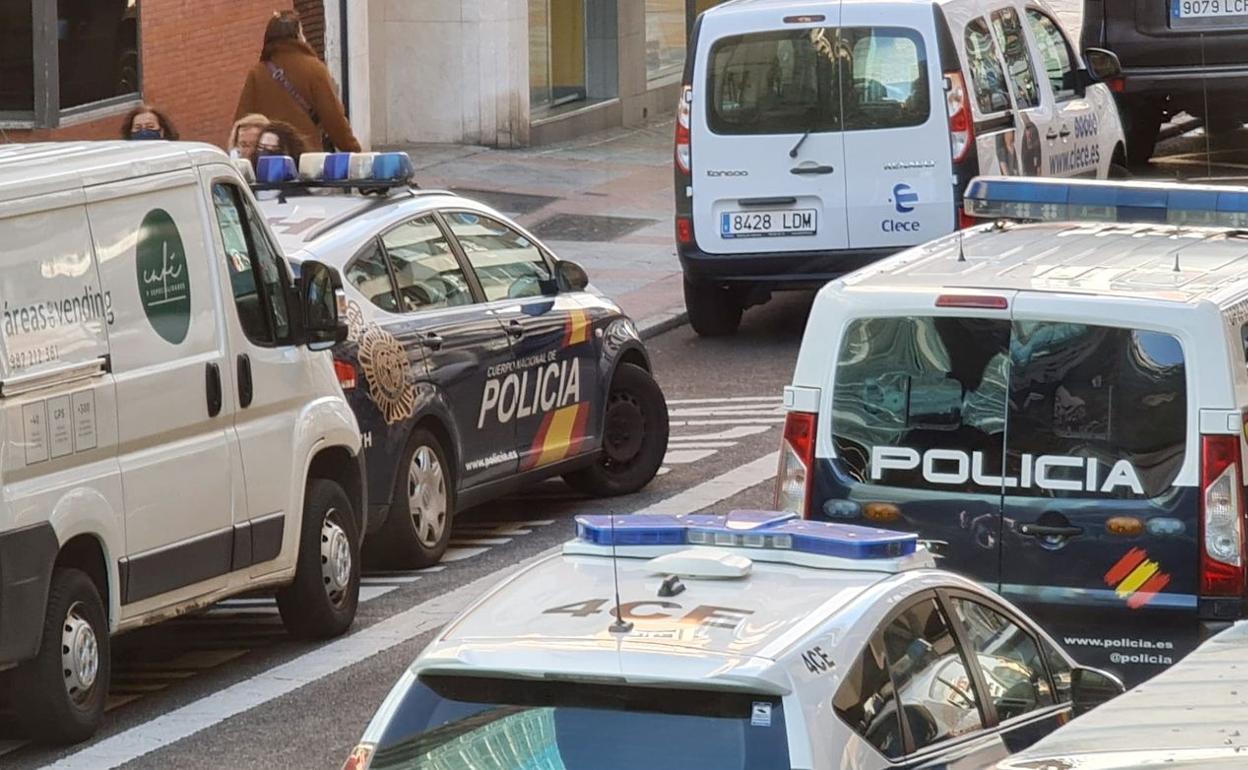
(821, 79)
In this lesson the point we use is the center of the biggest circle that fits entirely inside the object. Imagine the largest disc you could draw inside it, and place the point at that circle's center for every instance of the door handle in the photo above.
(803, 170)
(1042, 530)
(212, 379)
(781, 201)
(515, 329)
(246, 388)
(433, 341)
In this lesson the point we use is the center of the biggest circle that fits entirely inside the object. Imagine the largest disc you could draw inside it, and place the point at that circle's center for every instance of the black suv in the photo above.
(1178, 56)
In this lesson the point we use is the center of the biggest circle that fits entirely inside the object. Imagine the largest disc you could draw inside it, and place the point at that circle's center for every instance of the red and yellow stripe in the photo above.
(1136, 578)
(576, 330)
(560, 436)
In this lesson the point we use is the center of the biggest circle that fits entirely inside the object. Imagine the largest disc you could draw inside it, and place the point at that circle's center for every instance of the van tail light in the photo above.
(961, 123)
(684, 230)
(684, 147)
(361, 758)
(1221, 517)
(1118, 85)
(797, 460)
(345, 370)
(965, 220)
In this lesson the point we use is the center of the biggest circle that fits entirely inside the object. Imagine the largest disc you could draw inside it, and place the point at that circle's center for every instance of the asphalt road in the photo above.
(227, 688)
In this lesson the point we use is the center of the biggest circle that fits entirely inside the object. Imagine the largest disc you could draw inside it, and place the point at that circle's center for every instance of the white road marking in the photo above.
(248, 694)
(381, 580)
(245, 607)
(685, 456)
(739, 421)
(727, 400)
(462, 541)
(460, 554)
(737, 432)
(676, 443)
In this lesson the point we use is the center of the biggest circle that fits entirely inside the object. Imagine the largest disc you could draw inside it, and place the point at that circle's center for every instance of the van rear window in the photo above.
(1077, 410)
(821, 79)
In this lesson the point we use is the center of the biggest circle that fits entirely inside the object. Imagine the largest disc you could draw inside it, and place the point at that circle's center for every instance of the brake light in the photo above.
(1118, 85)
(684, 231)
(361, 758)
(961, 123)
(684, 148)
(797, 459)
(345, 370)
(975, 301)
(965, 220)
(1222, 517)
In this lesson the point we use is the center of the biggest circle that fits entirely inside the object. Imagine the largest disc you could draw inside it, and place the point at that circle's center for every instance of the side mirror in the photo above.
(323, 303)
(1090, 687)
(571, 276)
(1102, 66)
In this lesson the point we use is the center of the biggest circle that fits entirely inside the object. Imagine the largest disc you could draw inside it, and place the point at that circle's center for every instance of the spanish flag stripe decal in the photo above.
(578, 430)
(535, 451)
(1154, 586)
(1124, 566)
(1138, 577)
(559, 437)
(577, 328)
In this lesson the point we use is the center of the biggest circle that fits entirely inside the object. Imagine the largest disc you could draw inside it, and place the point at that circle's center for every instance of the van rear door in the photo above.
(767, 147)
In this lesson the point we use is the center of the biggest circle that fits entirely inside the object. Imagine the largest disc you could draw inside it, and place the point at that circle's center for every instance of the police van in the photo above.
(751, 640)
(477, 362)
(1059, 397)
(169, 435)
(816, 137)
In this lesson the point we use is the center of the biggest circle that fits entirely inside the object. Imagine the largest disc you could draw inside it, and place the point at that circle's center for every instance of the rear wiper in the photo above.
(800, 142)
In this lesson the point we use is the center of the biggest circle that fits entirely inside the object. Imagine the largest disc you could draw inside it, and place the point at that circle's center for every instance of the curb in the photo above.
(662, 322)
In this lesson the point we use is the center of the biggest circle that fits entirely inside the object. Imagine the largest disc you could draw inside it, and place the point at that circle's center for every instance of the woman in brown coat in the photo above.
(290, 84)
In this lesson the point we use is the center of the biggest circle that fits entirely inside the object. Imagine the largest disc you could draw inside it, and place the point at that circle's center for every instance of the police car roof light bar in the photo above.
(1074, 200)
(342, 170)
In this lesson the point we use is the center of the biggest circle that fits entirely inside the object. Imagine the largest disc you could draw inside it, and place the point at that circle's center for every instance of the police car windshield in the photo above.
(497, 724)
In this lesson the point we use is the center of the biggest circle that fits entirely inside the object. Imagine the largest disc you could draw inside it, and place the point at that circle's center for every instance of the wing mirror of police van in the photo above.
(1102, 66)
(1090, 687)
(571, 276)
(323, 305)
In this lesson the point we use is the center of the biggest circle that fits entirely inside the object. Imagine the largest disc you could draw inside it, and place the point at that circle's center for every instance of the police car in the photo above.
(477, 362)
(1060, 397)
(814, 138)
(752, 640)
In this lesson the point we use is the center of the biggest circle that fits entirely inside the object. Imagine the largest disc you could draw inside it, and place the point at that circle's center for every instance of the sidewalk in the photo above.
(604, 201)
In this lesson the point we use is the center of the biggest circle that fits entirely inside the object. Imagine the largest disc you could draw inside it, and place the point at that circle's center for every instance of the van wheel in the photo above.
(322, 600)
(634, 437)
(418, 529)
(1142, 126)
(713, 310)
(64, 688)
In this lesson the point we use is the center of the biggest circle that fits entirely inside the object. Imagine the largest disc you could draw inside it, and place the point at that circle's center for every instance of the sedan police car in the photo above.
(477, 362)
(752, 640)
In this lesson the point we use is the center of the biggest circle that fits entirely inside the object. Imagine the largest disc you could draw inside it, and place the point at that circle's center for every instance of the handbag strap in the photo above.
(279, 75)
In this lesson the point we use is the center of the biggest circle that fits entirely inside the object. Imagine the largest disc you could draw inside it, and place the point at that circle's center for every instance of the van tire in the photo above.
(399, 543)
(634, 437)
(713, 310)
(322, 600)
(48, 711)
(1141, 126)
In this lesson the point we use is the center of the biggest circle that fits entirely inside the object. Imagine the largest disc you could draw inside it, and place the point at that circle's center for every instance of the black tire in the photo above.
(634, 438)
(1142, 125)
(1118, 164)
(713, 310)
(322, 600)
(407, 539)
(48, 710)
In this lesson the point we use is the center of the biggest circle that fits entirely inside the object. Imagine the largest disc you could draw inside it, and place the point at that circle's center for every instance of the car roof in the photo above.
(1159, 263)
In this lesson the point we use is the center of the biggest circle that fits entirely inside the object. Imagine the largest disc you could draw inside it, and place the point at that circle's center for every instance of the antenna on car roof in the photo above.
(1204, 86)
(961, 250)
(620, 626)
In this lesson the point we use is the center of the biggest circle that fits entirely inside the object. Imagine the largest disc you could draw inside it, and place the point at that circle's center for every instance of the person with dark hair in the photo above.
(147, 122)
(278, 138)
(290, 84)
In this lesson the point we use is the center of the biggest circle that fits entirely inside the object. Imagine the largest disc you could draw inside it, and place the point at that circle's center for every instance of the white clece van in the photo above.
(168, 437)
(816, 137)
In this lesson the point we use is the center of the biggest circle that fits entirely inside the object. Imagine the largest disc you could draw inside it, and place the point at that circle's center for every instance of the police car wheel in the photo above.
(713, 310)
(634, 437)
(321, 601)
(64, 688)
(418, 529)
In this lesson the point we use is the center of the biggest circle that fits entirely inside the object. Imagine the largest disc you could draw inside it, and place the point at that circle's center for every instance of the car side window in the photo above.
(257, 275)
(370, 276)
(987, 78)
(1008, 657)
(508, 265)
(1017, 57)
(1059, 669)
(867, 702)
(426, 271)
(1059, 59)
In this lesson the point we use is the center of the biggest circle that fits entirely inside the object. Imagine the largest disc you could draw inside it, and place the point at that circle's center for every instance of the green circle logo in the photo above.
(164, 280)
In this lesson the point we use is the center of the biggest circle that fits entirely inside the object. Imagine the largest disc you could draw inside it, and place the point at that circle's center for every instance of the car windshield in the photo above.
(461, 723)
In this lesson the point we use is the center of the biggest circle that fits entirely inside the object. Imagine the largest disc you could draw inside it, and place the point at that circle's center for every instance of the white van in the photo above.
(816, 137)
(167, 439)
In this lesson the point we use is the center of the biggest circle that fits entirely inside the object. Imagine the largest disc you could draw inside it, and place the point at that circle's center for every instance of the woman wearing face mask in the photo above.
(147, 122)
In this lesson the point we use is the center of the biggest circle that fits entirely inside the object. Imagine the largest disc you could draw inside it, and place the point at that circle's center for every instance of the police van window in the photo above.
(498, 724)
(907, 385)
(426, 271)
(987, 78)
(938, 696)
(1013, 43)
(370, 276)
(257, 275)
(508, 265)
(867, 702)
(1009, 659)
(1056, 52)
(890, 86)
(1095, 411)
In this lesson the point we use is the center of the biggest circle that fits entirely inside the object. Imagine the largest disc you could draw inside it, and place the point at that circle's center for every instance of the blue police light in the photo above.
(1073, 200)
(341, 168)
(275, 169)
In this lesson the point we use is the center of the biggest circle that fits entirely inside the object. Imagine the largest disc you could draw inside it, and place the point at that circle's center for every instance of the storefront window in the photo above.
(665, 38)
(17, 65)
(539, 53)
(557, 51)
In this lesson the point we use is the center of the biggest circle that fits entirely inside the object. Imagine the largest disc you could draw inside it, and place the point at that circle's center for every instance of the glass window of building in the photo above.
(665, 38)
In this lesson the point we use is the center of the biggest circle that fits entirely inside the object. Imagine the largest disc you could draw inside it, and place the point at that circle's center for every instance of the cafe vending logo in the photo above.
(163, 276)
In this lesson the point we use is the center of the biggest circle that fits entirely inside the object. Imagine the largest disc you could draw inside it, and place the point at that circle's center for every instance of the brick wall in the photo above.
(196, 54)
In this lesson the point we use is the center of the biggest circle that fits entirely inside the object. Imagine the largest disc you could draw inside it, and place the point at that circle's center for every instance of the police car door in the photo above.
(1074, 148)
(1034, 130)
(553, 379)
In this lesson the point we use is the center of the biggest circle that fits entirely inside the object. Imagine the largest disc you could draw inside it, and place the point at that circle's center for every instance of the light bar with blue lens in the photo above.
(765, 530)
(1075, 200)
(275, 169)
(366, 170)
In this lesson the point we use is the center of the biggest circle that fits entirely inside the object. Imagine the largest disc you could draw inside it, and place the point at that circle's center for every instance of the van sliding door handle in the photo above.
(1041, 530)
(803, 170)
(246, 388)
(212, 380)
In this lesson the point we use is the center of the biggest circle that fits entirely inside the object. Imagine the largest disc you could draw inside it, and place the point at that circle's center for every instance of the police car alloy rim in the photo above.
(626, 429)
(426, 496)
(335, 558)
(80, 654)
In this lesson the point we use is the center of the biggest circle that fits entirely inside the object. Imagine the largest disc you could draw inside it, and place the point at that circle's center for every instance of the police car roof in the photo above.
(1124, 260)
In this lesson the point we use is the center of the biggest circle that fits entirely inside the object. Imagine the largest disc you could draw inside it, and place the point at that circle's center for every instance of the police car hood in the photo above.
(554, 620)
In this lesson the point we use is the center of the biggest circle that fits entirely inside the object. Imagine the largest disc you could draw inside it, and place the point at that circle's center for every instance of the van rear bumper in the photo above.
(1186, 85)
(26, 559)
(779, 270)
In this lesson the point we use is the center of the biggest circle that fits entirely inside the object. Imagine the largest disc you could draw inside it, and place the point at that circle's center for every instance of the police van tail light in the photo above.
(1222, 517)
(797, 459)
(684, 146)
(345, 370)
(961, 123)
